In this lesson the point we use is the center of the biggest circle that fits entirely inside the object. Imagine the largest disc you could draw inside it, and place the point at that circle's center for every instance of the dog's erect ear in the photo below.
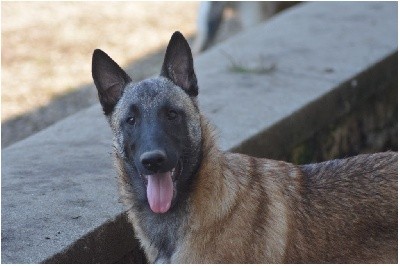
(109, 78)
(178, 64)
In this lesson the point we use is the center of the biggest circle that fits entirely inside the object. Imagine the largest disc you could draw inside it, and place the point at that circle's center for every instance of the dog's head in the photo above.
(156, 124)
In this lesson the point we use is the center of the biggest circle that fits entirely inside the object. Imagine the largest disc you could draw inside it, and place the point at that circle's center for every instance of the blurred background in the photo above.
(47, 47)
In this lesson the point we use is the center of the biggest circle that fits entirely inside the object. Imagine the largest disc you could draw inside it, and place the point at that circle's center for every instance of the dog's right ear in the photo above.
(110, 80)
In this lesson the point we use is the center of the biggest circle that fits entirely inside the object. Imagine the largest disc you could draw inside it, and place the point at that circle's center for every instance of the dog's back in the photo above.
(346, 211)
(340, 211)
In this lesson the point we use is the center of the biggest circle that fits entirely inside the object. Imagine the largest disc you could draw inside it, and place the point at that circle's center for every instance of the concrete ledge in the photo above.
(106, 244)
(297, 73)
(339, 102)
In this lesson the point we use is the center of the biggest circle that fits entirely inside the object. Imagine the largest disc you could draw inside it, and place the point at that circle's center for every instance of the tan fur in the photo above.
(250, 210)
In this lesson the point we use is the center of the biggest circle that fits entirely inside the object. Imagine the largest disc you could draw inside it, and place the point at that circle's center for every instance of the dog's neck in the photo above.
(216, 190)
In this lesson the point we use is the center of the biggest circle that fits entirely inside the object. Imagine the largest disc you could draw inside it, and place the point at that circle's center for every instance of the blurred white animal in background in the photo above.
(212, 13)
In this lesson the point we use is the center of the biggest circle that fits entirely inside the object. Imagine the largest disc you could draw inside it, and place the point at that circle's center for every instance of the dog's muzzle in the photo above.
(160, 185)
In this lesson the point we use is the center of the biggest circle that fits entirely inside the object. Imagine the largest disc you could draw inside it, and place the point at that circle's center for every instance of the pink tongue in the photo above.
(160, 192)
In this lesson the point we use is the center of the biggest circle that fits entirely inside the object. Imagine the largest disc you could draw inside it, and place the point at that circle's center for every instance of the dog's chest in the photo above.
(160, 235)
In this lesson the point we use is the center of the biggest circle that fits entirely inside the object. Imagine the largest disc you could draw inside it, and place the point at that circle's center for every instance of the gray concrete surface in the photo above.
(314, 48)
(59, 193)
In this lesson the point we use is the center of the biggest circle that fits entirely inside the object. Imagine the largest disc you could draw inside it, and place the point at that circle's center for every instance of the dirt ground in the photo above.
(47, 47)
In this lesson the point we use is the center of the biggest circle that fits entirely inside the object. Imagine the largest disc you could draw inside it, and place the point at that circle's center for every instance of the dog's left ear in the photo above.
(178, 64)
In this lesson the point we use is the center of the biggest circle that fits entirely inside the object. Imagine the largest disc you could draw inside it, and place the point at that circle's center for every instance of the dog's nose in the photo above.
(153, 160)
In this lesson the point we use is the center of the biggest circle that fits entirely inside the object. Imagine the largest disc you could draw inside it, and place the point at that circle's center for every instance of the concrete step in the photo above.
(267, 90)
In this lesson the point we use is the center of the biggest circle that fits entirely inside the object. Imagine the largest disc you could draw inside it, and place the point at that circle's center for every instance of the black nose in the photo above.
(153, 160)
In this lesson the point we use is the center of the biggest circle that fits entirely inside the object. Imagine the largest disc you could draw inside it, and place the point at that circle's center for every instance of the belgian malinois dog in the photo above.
(190, 202)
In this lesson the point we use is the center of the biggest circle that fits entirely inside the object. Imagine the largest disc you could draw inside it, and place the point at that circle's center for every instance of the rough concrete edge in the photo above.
(292, 130)
(106, 244)
(112, 240)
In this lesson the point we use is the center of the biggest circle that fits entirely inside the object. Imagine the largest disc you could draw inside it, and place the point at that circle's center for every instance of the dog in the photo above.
(190, 202)
(249, 13)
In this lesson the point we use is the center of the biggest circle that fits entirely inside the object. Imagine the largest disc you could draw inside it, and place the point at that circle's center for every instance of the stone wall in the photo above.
(371, 127)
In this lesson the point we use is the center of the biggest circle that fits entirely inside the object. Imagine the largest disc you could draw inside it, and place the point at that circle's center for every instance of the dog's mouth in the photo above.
(161, 188)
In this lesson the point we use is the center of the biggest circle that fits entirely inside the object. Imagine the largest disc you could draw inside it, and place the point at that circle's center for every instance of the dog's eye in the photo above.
(130, 120)
(172, 114)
